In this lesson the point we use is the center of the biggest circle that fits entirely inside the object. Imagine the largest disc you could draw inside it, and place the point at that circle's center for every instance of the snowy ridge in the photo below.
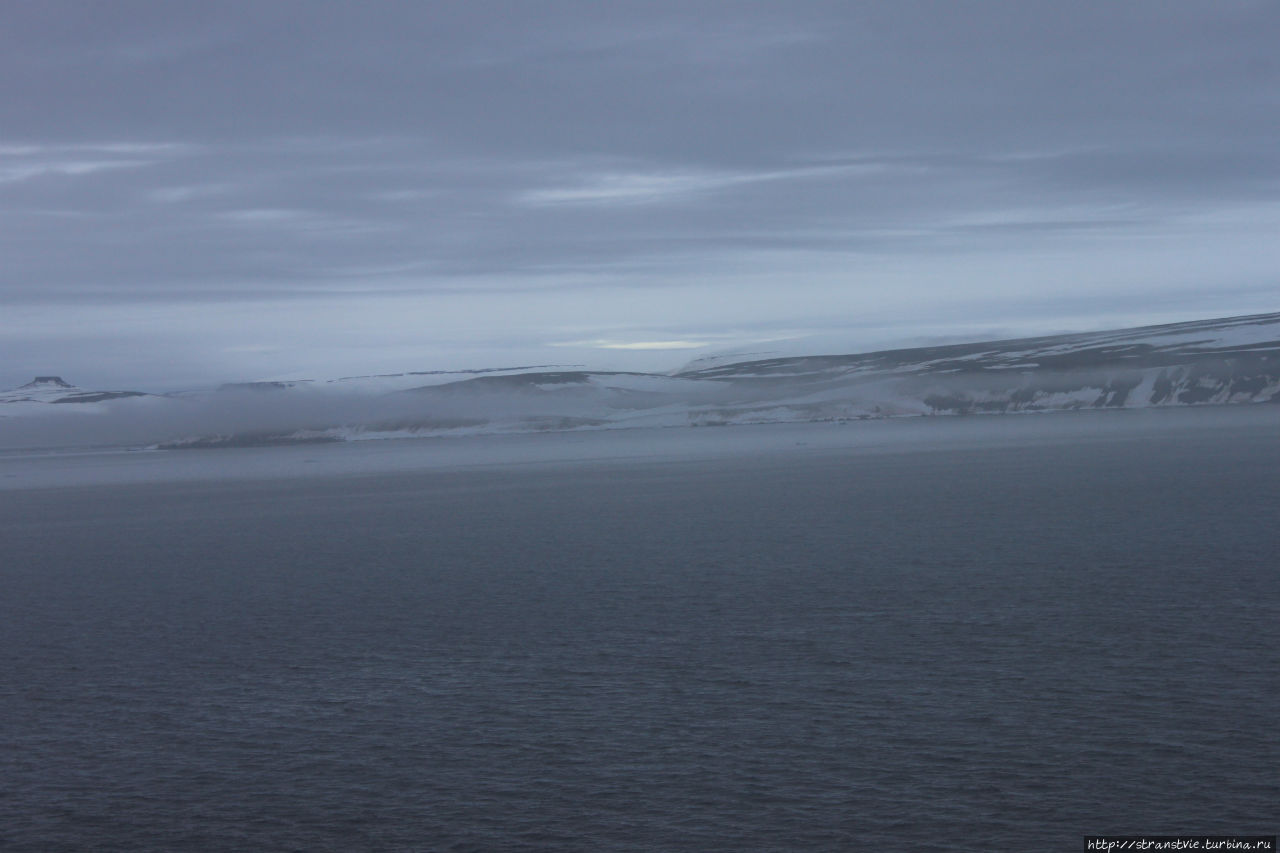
(45, 390)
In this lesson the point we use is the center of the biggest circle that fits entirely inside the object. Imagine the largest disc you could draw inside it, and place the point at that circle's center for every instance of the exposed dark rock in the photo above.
(47, 381)
(97, 396)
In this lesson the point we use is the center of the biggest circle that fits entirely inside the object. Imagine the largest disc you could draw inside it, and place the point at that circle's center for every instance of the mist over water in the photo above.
(151, 420)
(985, 641)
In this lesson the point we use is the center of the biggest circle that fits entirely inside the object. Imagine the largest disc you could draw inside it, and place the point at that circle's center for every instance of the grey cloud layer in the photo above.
(171, 153)
(701, 80)
(268, 220)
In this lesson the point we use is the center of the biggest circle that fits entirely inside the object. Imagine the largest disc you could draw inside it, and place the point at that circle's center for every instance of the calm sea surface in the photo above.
(994, 645)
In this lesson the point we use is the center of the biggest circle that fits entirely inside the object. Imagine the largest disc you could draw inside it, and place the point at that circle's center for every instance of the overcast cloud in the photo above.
(192, 192)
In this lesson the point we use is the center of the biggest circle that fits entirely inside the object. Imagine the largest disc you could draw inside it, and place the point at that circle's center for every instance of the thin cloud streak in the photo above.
(652, 187)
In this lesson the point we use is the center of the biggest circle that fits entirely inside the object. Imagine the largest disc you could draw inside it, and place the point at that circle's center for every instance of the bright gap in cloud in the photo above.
(631, 345)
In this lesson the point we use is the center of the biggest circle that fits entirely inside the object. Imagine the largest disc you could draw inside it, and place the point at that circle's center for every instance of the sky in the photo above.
(195, 192)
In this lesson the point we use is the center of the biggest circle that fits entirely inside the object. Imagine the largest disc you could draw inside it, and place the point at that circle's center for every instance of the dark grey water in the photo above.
(982, 648)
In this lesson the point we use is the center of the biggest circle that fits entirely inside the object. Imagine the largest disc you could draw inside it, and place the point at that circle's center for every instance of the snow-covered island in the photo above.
(1212, 362)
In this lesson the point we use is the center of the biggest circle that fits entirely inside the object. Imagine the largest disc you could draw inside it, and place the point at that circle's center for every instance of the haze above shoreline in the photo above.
(500, 455)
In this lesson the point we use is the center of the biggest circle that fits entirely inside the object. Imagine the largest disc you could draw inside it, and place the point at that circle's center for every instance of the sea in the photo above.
(995, 633)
